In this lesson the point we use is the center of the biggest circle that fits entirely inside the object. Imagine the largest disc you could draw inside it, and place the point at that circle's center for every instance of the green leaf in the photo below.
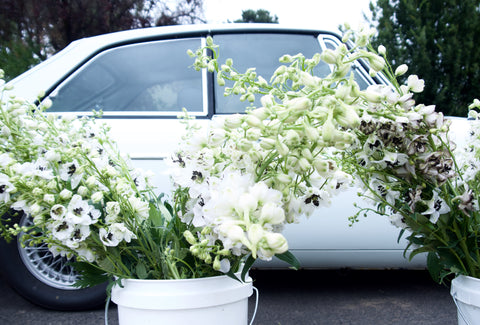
(88, 275)
(434, 266)
(247, 266)
(290, 259)
(141, 271)
(155, 216)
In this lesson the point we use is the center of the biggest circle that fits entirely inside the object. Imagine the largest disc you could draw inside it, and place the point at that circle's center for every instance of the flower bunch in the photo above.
(84, 199)
(246, 176)
(406, 163)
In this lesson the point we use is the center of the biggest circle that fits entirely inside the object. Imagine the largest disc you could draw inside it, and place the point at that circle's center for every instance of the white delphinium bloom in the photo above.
(80, 212)
(380, 188)
(84, 253)
(140, 208)
(113, 210)
(71, 172)
(57, 212)
(117, 232)
(79, 234)
(398, 220)
(436, 207)
(415, 84)
(5, 160)
(6, 187)
(61, 229)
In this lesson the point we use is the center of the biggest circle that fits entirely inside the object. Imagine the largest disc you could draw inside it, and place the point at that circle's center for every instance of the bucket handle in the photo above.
(459, 310)
(256, 305)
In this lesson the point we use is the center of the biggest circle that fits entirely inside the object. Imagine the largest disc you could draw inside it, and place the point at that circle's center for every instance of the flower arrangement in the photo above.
(240, 181)
(85, 200)
(407, 165)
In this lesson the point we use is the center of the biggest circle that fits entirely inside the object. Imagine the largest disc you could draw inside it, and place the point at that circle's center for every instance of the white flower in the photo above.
(398, 220)
(139, 207)
(436, 207)
(415, 84)
(272, 213)
(61, 229)
(113, 210)
(84, 253)
(116, 233)
(70, 171)
(58, 211)
(5, 188)
(5, 160)
(79, 234)
(80, 212)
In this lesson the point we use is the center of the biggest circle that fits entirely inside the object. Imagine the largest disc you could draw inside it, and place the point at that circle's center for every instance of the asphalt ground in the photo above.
(296, 297)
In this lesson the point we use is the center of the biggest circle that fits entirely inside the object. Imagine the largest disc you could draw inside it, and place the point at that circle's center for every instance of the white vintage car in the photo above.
(142, 79)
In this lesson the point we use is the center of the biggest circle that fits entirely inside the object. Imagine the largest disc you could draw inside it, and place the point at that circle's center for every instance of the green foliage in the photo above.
(257, 16)
(437, 40)
(32, 30)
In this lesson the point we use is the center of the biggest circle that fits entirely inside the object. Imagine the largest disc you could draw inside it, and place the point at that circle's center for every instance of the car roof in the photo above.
(48, 73)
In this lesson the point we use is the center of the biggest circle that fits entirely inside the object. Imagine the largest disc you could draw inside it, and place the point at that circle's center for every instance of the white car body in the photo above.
(325, 240)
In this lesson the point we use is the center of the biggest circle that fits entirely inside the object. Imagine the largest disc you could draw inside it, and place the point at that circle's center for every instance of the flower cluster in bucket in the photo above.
(85, 200)
(248, 175)
(408, 166)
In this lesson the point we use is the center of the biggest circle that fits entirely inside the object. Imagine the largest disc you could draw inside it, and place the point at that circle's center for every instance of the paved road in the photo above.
(306, 297)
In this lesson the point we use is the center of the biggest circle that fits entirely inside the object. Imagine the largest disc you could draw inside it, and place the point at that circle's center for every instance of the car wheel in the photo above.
(44, 279)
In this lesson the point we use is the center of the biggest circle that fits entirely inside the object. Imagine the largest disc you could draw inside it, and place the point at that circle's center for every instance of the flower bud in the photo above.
(307, 154)
(82, 190)
(329, 56)
(328, 131)
(283, 178)
(254, 121)
(65, 194)
(261, 113)
(401, 70)
(91, 181)
(382, 50)
(267, 101)
(253, 134)
(299, 104)
(304, 164)
(267, 143)
(311, 132)
(372, 97)
(244, 145)
(189, 237)
(49, 198)
(97, 197)
(233, 232)
(292, 138)
(272, 214)
(282, 148)
(276, 242)
(233, 121)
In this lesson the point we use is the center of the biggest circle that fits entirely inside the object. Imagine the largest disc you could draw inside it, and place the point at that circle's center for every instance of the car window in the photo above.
(261, 51)
(152, 77)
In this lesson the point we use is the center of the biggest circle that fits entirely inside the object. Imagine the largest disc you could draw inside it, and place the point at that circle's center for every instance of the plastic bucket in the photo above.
(465, 291)
(215, 300)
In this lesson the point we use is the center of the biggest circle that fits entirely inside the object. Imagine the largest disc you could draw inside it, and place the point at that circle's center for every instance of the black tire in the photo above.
(45, 280)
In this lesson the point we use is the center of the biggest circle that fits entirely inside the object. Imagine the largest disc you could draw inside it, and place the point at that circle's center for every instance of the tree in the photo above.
(32, 30)
(437, 39)
(257, 16)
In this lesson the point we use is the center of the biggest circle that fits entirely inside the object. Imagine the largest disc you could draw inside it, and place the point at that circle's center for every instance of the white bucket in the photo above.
(215, 300)
(465, 291)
